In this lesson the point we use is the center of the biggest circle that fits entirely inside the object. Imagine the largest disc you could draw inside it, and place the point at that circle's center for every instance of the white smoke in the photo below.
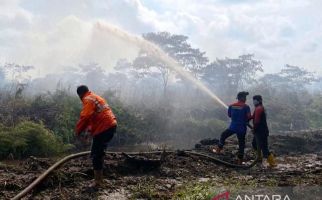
(69, 43)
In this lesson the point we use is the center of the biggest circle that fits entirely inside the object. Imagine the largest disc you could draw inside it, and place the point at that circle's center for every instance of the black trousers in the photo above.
(262, 141)
(99, 145)
(241, 141)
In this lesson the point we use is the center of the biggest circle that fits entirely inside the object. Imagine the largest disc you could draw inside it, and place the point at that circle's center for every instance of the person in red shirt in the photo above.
(97, 117)
(261, 131)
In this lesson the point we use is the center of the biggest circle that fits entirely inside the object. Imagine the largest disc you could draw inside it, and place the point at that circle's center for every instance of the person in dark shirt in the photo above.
(240, 114)
(261, 131)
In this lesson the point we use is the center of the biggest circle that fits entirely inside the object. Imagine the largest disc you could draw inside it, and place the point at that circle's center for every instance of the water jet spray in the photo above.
(159, 53)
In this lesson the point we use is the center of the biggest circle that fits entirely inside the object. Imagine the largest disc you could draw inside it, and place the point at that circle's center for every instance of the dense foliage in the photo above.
(28, 138)
(152, 102)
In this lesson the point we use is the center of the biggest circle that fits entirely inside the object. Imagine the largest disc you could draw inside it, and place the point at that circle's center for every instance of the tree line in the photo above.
(152, 102)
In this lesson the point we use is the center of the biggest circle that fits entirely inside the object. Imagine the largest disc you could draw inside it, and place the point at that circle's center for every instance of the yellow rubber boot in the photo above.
(271, 161)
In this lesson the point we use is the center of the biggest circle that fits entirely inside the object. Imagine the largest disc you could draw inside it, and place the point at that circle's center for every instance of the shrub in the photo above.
(28, 139)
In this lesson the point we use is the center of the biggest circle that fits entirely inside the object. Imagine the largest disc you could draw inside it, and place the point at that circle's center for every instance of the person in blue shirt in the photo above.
(240, 114)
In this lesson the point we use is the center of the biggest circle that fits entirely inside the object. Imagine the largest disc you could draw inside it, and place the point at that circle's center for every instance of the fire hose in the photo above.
(85, 153)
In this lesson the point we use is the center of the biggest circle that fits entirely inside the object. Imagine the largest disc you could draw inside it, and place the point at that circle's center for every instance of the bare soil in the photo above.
(128, 180)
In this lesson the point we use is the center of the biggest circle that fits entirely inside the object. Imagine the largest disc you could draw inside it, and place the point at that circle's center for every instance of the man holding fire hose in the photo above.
(98, 117)
(239, 112)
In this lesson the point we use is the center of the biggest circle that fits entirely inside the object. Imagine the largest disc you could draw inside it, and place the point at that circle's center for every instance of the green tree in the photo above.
(291, 77)
(177, 47)
(287, 99)
(94, 76)
(232, 74)
(314, 112)
(17, 72)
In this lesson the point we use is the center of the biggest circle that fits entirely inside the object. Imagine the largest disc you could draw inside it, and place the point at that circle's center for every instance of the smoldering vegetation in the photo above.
(153, 103)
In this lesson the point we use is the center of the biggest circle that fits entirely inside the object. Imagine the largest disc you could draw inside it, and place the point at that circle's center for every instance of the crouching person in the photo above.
(97, 115)
(261, 131)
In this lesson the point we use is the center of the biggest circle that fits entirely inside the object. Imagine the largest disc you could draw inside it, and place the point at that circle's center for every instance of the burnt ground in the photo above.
(180, 176)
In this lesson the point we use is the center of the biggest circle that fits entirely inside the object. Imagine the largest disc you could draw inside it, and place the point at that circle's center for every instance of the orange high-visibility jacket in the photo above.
(96, 115)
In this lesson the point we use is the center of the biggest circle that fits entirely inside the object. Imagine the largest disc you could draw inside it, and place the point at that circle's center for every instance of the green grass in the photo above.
(197, 191)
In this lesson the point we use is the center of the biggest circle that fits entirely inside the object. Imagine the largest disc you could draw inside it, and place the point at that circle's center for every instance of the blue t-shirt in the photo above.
(239, 113)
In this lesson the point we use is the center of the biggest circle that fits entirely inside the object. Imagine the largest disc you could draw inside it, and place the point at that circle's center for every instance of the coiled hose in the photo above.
(77, 155)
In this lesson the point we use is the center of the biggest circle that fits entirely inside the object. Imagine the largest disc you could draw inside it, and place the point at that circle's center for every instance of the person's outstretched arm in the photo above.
(86, 113)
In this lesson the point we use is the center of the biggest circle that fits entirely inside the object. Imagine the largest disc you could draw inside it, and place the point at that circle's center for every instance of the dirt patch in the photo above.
(125, 180)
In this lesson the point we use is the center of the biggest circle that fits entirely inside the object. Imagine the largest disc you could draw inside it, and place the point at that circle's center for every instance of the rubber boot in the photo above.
(98, 179)
(239, 161)
(217, 150)
(271, 161)
(260, 163)
(259, 156)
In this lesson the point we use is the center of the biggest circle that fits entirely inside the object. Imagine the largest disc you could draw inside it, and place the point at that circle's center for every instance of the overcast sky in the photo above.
(55, 34)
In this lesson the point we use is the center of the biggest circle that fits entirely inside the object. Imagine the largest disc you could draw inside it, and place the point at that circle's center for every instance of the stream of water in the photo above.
(156, 51)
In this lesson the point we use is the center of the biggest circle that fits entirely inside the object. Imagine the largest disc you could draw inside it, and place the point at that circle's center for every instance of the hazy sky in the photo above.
(56, 34)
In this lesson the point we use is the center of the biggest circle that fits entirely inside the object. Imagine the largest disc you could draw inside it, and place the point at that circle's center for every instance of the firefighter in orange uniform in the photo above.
(97, 116)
